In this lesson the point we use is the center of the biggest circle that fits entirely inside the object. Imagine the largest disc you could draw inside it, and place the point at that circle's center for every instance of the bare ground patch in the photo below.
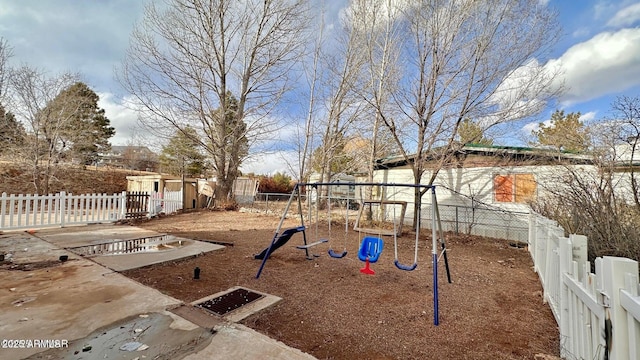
(492, 310)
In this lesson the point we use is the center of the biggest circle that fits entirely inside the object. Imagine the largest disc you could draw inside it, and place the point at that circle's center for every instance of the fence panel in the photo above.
(597, 312)
(167, 202)
(29, 211)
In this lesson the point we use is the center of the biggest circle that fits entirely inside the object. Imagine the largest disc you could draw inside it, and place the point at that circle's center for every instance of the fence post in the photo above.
(614, 270)
(579, 253)
(565, 258)
(457, 220)
(63, 207)
(3, 209)
(123, 206)
(532, 235)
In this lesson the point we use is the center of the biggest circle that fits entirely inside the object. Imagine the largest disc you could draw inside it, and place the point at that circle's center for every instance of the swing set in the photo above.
(370, 247)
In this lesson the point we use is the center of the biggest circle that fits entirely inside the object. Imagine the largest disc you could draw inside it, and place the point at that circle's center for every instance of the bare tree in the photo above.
(32, 93)
(378, 30)
(187, 56)
(5, 54)
(460, 59)
(601, 200)
(626, 113)
(343, 104)
(306, 133)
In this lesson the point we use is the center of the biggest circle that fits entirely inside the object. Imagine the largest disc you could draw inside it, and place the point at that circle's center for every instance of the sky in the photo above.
(599, 53)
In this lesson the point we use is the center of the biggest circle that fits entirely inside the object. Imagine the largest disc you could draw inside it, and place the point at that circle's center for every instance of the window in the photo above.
(515, 188)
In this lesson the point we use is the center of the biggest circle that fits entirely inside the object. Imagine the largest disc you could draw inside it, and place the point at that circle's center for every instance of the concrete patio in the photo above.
(100, 313)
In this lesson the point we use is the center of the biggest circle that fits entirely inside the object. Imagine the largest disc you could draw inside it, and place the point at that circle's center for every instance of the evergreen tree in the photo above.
(12, 132)
(471, 133)
(86, 130)
(182, 155)
(564, 133)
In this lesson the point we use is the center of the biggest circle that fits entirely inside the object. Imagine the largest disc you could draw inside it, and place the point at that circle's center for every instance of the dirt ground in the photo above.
(492, 310)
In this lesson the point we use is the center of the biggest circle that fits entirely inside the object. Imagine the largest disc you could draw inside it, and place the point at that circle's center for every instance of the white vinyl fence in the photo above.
(598, 313)
(32, 211)
(167, 202)
(62, 209)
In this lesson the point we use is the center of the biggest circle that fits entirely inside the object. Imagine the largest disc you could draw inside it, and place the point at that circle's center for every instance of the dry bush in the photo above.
(588, 202)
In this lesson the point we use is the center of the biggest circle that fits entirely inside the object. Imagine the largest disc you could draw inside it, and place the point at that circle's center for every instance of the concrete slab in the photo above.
(90, 307)
(102, 233)
(67, 301)
(154, 336)
(88, 235)
(132, 261)
(235, 341)
(24, 249)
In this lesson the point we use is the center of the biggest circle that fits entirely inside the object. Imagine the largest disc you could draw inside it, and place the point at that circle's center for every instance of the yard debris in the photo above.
(23, 319)
(131, 346)
(23, 300)
(86, 348)
(142, 347)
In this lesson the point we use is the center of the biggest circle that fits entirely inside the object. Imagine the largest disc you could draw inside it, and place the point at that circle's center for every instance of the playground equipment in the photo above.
(280, 240)
(371, 249)
(332, 253)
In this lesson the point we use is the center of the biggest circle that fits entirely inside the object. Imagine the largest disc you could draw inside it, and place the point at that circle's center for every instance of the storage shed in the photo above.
(168, 186)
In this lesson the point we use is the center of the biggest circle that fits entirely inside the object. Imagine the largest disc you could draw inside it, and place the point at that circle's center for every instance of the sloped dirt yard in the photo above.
(492, 310)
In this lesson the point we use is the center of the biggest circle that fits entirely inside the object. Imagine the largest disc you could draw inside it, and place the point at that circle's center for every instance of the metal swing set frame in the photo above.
(436, 229)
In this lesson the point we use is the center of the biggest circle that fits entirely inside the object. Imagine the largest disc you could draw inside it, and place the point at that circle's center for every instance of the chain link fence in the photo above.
(495, 223)
(478, 220)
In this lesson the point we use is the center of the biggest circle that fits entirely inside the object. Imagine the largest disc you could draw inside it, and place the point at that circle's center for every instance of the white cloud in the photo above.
(530, 127)
(122, 118)
(524, 92)
(271, 163)
(586, 117)
(604, 64)
(67, 35)
(626, 16)
(580, 32)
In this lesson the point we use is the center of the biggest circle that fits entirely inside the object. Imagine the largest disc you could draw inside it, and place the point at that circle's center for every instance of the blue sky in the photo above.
(599, 51)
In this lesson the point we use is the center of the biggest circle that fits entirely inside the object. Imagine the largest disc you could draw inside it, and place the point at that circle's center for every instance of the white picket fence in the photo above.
(168, 202)
(597, 313)
(32, 211)
(62, 209)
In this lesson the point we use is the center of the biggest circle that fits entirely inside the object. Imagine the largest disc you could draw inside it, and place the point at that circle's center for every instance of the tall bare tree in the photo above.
(33, 92)
(377, 28)
(626, 114)
(460, 59)
(187, 56)
(5, 54)
(306, 133)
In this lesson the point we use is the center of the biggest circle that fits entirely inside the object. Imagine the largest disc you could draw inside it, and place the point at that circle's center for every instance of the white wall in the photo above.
(455, 189)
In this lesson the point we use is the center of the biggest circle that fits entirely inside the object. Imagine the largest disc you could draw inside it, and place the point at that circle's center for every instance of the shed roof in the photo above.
(513, 153)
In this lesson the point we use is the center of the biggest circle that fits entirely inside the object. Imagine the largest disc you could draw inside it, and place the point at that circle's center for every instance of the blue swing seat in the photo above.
(370, 248)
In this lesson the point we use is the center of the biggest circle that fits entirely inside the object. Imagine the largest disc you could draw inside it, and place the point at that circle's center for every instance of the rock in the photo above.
(137, 331)
(143, 315)
(24, 319)
(12, 289)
